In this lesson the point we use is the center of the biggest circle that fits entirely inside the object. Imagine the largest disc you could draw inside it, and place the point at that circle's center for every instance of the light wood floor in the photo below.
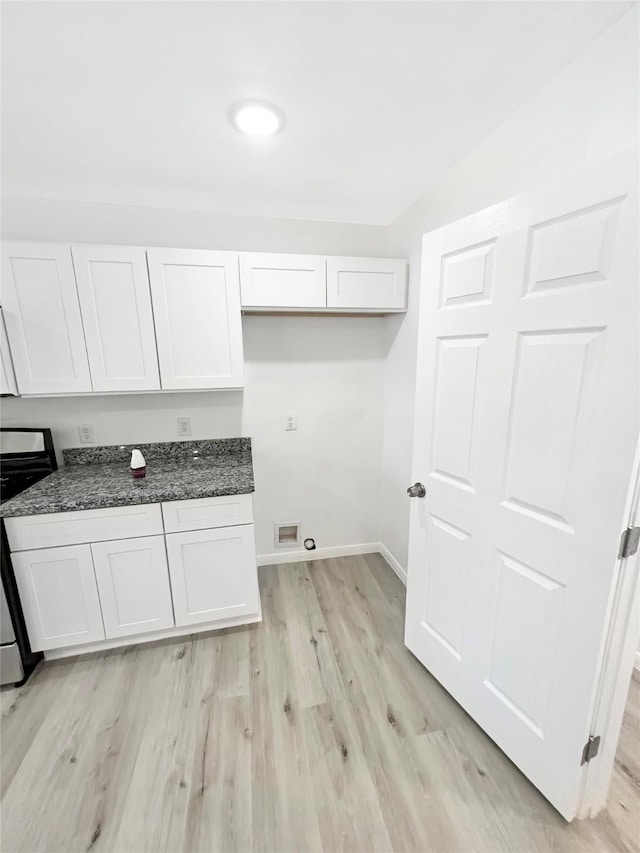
(315, 730)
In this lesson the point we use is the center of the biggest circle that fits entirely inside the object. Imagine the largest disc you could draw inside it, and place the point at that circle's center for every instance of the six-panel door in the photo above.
(196, 306)
(42, 316)
(59, 596)
(113, 286)
(133, 582)
(526, 425)
(213, 574)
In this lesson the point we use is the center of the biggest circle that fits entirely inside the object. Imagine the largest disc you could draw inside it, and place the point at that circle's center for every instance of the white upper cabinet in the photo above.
(367, 284)
(317, 284)
(7, 376)
(42, 316)
(113, 286)
(196, 306)
(283, 281)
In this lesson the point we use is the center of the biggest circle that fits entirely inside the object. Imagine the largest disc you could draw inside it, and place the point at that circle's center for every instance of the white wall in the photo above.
(587, 112)
(345, 471)
(54, 219)
(328, 371)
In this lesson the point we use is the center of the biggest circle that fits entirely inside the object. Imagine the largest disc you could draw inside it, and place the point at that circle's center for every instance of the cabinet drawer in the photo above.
(80, 526)
(201, 513)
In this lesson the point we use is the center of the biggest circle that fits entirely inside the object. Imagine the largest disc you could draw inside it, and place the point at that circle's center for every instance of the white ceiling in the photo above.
(127, 102)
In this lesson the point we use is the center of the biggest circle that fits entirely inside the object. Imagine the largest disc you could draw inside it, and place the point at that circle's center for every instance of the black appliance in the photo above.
(26, 456)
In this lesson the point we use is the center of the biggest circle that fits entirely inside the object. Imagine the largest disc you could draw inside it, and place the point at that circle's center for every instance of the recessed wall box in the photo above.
(287, 534)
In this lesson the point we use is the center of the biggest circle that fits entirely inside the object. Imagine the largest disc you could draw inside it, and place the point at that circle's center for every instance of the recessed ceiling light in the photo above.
(256, 118)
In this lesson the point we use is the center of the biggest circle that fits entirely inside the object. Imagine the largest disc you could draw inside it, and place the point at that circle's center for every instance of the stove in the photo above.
(26, 456)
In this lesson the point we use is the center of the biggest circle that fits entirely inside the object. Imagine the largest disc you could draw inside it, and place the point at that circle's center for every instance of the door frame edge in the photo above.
(620, 643)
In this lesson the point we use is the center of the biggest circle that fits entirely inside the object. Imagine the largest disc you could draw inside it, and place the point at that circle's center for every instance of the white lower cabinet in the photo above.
(84, 586)
(133, 583)
(59, 596)
(213, 574)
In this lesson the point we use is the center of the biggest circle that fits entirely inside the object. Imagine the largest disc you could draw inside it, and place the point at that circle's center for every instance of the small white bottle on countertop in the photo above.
(138, 465)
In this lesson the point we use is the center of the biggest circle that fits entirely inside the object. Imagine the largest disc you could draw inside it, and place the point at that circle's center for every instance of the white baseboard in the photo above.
(395, 565)
(337, 551)
(318, 554)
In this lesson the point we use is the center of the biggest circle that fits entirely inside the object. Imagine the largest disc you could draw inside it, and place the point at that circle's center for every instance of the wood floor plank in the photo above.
(161, 788)
(317, 674)
(345, 797)
(68, 768)
(219, 813)
(24, 710)
(284, 813)
(315, 730)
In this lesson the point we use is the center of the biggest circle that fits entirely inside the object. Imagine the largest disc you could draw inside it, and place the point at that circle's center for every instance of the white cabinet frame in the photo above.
(8, 384)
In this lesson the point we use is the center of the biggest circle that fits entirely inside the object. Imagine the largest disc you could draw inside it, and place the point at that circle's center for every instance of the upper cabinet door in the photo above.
(196, 305)
(283, 281)
(113, 286)
(7, 376)
(367, 283)
(42, 316)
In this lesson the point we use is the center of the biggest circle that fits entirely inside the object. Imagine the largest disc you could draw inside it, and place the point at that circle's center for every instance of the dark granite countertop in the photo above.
(176, 471)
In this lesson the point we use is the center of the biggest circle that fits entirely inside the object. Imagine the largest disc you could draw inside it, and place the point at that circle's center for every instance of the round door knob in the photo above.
(416, 491)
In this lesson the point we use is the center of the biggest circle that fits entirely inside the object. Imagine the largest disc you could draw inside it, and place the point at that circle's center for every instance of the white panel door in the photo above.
(283, 281)
(213, 574)
(42, 315)
(133, 582)
(196, 304)
(113, 286)
(8, 383)
(367, 283)
(525, 429)
(59, 596)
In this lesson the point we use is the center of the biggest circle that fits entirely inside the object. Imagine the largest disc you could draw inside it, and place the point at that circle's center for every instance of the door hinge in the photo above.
(591, 748)
(629, 542)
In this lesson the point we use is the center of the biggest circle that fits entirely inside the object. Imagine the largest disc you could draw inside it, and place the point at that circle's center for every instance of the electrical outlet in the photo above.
(291, 422)
(87, 435)
(184, 426)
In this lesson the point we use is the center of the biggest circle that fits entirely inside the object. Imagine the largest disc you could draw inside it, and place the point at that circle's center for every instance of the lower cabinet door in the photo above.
(213, 574)
(133, 581)
(59, 596)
